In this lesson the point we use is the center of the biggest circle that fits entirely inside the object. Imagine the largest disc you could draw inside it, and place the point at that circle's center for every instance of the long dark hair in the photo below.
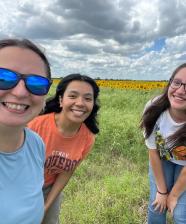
(158, 106)
(52, 103)
(27, 44)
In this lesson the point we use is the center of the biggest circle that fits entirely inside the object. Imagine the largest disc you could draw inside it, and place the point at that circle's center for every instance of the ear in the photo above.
(60, 101)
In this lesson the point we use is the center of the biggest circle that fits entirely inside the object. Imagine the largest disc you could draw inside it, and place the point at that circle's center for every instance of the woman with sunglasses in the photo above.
(164, 124)
(68, 128)
(24, 82)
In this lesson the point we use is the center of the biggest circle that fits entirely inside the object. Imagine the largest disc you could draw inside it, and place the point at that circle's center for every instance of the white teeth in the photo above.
(78, 112)
(13, 106)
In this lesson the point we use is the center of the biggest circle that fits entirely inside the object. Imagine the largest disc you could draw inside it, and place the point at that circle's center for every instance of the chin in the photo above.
(179, 109)
(77, 120)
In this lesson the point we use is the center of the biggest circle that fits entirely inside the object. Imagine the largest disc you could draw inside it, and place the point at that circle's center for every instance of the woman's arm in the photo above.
(178, 188)
(60, 183)
(160, 200)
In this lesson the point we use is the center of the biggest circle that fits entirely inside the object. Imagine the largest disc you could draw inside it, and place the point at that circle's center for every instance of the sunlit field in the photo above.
(111, 185)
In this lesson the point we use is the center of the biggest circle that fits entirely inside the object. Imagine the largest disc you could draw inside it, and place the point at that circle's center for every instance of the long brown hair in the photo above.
(158, 106)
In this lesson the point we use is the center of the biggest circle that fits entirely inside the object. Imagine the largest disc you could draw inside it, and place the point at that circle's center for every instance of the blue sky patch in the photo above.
(158, 45)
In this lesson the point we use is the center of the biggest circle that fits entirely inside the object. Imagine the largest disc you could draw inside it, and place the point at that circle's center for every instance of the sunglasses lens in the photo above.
(37, 85)
(8, 79)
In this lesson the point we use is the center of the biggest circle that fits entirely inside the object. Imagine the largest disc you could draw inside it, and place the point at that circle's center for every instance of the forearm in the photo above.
(58, 186)
(157, 170)
(180, 185)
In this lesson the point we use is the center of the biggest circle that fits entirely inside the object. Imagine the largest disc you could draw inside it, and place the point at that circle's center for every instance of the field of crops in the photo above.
(128, 84)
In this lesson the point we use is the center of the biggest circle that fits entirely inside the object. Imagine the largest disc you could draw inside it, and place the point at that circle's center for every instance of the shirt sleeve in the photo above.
(150, 142)
(89, 146)
(32, 125)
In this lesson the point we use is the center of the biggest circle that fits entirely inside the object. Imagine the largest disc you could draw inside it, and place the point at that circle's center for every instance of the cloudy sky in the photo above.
(118, 39)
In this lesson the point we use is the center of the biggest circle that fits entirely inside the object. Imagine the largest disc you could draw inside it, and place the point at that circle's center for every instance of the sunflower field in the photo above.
(127, 84)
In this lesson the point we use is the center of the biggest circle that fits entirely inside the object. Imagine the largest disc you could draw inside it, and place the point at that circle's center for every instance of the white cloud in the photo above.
(107, 39)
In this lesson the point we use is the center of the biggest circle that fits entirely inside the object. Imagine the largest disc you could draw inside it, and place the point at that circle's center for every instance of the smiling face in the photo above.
(77, 102)
(177, 97)
(17, 105)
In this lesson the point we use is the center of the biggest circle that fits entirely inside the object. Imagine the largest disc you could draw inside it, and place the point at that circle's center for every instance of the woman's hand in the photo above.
(177, 190)
(171, 203)
(160, 203)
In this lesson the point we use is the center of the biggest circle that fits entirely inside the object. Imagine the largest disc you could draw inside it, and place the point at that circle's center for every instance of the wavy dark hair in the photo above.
(157, 107)
(27, 44)
(52, 103)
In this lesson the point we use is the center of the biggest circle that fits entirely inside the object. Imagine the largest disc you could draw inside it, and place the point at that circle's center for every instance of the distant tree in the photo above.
(98, 78)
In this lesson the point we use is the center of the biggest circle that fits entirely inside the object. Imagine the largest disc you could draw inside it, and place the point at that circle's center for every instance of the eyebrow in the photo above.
(177, 79)
(76, 92)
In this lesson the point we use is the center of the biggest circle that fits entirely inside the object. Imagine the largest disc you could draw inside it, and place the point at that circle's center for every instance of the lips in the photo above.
(179, 98)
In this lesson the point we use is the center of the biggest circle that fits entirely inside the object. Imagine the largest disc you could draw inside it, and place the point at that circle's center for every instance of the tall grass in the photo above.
(111, 185)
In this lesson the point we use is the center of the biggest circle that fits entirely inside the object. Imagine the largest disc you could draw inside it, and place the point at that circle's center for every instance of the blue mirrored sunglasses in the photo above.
(35, 84)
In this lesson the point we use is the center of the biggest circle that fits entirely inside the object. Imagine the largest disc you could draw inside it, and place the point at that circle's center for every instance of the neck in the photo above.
(67, 128)
(11, 139)
(178, 116)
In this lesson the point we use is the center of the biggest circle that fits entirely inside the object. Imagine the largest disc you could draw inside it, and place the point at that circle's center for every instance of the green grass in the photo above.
(111, 185)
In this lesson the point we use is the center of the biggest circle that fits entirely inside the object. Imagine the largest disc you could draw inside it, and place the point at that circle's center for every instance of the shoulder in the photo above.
(34, 143)
(151, 101)
(42, 118)
(37, 121)
(32, 137)
(86, 132)
(85, 129)
(163, 122)
(88, 138)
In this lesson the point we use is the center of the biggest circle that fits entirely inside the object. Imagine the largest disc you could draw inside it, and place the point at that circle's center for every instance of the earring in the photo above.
(44, 104)
(60, 103)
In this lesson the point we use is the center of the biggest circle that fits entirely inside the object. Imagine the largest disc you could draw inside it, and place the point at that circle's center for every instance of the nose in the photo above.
(20, 90)
(80, 101)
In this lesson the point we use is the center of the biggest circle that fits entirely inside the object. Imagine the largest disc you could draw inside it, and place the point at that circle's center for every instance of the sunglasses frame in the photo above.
(25, 77)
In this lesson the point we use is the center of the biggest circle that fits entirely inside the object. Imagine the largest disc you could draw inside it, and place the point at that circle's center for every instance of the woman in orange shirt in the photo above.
(68, 127)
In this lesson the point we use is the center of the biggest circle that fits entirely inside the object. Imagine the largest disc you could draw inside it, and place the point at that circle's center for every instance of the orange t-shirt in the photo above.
(62, 153)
